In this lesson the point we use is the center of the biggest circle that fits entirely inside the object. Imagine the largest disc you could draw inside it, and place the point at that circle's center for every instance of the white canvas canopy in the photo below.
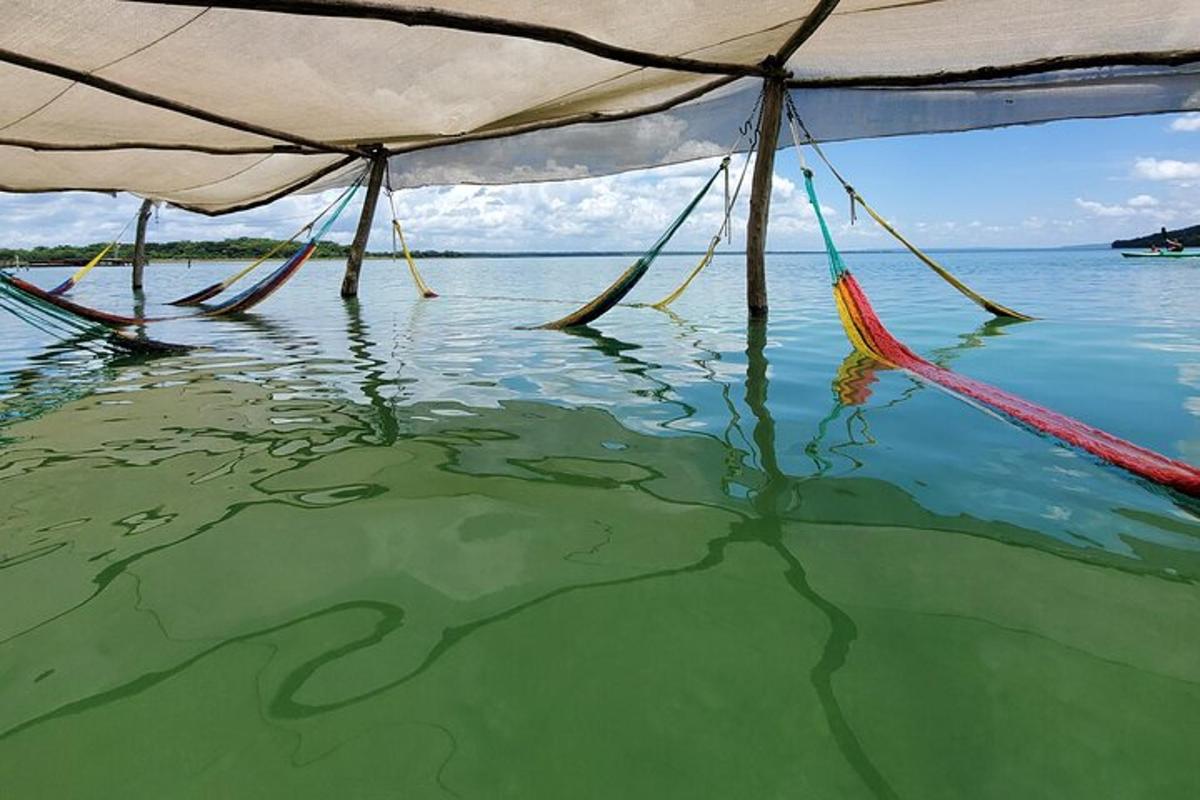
(220, 106)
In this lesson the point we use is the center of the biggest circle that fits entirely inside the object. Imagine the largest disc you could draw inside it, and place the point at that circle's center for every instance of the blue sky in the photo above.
(1062, 183)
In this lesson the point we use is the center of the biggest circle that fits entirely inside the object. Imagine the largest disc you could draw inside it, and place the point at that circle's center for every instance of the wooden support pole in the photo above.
(139, 244)
(359, 246)
(760, 199)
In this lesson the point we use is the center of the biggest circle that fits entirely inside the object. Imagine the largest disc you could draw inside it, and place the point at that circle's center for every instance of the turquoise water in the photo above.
(399, 547)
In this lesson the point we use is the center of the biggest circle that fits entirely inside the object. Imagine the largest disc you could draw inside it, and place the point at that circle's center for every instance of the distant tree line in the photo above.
(1188, 237)
(240, 249)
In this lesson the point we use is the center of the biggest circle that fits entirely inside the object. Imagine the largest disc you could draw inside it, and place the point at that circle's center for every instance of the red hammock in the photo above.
(871, 337)
(242, 302)
(863, 324)
(95, 315)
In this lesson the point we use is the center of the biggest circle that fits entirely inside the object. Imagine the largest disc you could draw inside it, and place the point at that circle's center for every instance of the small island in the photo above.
(1188, 237)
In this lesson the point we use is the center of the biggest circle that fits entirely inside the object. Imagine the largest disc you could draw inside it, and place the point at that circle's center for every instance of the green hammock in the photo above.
(622, 286)
(64, 325)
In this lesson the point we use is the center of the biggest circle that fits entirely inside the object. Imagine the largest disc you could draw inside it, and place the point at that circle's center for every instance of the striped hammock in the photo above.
(869, 336)
(242, 302)
(52, 318)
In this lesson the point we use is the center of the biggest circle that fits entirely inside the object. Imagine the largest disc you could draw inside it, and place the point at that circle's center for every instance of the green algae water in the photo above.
(400, 548)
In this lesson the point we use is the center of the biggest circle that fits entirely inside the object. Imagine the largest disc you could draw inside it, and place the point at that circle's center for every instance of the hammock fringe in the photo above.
(82, 311)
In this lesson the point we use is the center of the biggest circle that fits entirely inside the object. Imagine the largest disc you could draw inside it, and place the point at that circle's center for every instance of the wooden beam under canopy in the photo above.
(416, 16)
(88, 147)
(139, 96)
(951, 78)
(807, 28)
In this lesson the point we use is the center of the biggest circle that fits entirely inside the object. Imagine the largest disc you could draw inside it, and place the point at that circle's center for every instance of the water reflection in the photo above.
(310, 574)
(771, 502)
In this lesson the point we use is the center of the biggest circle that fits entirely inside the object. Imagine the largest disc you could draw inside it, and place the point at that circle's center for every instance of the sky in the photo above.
(1061, 183)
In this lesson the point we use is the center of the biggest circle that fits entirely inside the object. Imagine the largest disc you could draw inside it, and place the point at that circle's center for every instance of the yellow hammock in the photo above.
(70, 282)
(661, 305)
(398, 233)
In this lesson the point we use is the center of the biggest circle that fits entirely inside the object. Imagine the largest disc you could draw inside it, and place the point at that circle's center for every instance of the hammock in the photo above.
(622, 286)
(991, 306)
(264, 288)
(242, 302)
(269, 285)
(36, 293)
(70, 282)
(61, 323)
(398, 236)
(661, 305)
(209, 292)
(870, 336)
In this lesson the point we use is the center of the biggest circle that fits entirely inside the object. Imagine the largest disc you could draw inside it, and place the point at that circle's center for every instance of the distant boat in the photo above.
(1163, 254)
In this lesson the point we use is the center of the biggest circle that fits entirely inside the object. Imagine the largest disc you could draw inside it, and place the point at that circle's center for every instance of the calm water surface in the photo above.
(397, 548)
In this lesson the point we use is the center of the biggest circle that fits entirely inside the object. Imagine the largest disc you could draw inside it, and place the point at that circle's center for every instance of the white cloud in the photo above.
(1187, 122)
(1166, 169)
(1101, 210)
(1143, 206)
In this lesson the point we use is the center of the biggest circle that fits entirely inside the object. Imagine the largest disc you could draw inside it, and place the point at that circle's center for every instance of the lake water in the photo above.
(397, 548)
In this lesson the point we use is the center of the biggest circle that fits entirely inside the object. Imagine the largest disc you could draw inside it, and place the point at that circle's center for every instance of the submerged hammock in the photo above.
(622, 286)
(242, 302)
(269, 285)
(70, 282)
(38, 294)
(870, 336)
(209, 292)
(52, 318)
(991, 306)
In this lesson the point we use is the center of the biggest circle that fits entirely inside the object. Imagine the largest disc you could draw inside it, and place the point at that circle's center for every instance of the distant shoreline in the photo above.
(426, 256)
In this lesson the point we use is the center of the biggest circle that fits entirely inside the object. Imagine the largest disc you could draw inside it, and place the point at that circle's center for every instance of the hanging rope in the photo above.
(398, 234)
(725, 229)
(70, 282)
(856, 199)
(748, 128)
(209, 292)
(869, 335)
(622, 286)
